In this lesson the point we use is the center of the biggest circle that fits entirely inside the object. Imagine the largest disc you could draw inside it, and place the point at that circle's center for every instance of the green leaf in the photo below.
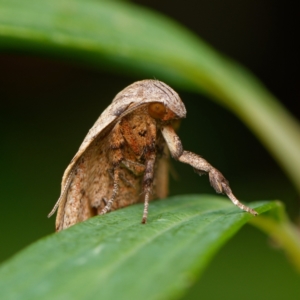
(126, 38)
(116, 257)
(276, 224)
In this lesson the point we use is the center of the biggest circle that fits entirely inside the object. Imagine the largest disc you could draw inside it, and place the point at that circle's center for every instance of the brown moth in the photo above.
(123, 158)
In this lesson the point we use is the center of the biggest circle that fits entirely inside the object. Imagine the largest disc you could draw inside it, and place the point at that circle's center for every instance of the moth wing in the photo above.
(90, 185)
(98, 129)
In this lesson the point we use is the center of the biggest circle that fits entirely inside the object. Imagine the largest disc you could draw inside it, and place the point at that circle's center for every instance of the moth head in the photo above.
(169, 106)
(158, 110)
(162, 101)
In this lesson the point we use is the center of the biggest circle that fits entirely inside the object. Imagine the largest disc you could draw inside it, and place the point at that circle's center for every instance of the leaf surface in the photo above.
(116, 257)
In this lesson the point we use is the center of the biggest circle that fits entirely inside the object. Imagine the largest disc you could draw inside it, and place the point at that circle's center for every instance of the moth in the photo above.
(124, 157)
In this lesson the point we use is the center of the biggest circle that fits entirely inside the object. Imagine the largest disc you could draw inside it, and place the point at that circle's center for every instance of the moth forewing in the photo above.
(123, 158)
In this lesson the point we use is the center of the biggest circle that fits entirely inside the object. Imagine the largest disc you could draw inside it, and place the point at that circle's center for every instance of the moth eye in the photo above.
(156, 110)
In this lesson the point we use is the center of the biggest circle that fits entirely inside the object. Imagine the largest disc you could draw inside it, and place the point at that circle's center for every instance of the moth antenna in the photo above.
(61, 195)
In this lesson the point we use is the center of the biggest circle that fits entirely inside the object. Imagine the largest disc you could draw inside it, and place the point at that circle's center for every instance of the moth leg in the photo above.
(125, 180)
(116, 144)
(217, 180)
(136, 168)
(147, 183)
(121, 176)
(114, 193)
(150, 155)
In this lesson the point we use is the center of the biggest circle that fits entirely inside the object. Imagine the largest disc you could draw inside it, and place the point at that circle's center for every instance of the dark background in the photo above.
(47, 107)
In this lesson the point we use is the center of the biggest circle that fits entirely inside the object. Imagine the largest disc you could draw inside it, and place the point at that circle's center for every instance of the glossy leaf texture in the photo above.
(116, 257)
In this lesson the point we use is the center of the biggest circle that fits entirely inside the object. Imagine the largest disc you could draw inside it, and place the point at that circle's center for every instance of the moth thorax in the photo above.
(157, 110)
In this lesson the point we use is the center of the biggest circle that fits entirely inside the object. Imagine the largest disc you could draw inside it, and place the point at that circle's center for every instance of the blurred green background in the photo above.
(48, 106)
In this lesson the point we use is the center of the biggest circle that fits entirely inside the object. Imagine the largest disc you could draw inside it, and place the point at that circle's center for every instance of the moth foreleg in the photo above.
(217, 180)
